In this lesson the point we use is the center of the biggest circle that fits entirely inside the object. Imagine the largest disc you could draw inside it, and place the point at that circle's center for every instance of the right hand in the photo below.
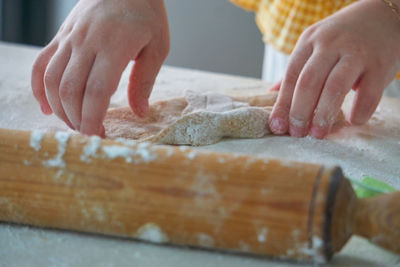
(77, 73)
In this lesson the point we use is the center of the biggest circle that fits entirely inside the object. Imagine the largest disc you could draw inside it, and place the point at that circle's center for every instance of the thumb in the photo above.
(142, 78)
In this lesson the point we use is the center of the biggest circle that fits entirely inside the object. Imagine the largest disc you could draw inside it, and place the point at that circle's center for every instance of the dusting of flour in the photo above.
(57, 161)
(205, 128)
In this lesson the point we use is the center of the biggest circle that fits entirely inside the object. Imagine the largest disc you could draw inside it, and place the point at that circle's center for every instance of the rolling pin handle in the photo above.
(378, 220)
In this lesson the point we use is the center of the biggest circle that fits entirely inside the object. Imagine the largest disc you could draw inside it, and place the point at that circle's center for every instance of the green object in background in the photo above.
(369, 187)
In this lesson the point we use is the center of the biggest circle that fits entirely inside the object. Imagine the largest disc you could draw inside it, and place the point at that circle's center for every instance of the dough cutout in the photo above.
(196, 119)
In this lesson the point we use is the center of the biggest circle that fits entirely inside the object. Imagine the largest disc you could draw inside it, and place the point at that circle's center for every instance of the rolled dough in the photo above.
(196, 119)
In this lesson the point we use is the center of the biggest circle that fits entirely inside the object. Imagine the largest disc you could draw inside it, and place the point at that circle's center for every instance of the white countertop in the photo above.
(372, 149)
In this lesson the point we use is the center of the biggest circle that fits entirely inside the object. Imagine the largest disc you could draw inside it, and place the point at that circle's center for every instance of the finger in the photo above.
(279, 123)
(142, 78)
(342, 78)
(52, 78)
(307, 91)
(38, 70)
(73, 85)
(368, 94)
(102, 82)
(275, 87)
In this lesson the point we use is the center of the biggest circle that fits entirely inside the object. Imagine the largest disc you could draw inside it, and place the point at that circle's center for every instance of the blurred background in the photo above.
(211, 35)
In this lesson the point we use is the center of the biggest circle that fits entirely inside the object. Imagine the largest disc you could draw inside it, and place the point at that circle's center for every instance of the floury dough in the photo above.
(196, 119)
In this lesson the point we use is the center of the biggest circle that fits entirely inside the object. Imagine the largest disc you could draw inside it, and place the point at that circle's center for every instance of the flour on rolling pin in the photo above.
(90, 150)
(36, 139)
(62, 139)
(142, 152)
(130, 150)
(57, 161)
(151, 232)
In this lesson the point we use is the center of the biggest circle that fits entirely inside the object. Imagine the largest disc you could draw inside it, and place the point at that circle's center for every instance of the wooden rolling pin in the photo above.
(168, 194)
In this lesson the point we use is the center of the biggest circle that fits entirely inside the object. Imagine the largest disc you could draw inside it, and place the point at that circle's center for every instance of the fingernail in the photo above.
(296, 131)
(317, 132)
(277, 126)
(45, 110)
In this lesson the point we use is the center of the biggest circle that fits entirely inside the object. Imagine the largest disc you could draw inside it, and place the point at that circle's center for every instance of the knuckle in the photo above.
(160, 50)
(66, 91)
(308, 32)
(78, 36)
(37, 65)
(95, 89)
(50, 80)
(40, 61)
(291, 77)
(306, 81)
(281, 109)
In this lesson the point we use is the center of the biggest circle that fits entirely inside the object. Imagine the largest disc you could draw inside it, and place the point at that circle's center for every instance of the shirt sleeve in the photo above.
(249, 5)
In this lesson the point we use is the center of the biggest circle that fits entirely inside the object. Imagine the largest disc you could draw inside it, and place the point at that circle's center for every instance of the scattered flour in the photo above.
(170, 151)
(151, 232)
(262, 235)
(205, 240)
(315, 251)
(58, 174)
(36, 139)
(192, 155)
(62, 138)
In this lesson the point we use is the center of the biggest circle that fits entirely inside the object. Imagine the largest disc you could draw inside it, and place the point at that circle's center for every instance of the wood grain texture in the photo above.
(167, 194)
(378, 220)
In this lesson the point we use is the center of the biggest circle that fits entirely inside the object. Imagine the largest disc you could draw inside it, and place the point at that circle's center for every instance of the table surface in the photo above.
(372, 149)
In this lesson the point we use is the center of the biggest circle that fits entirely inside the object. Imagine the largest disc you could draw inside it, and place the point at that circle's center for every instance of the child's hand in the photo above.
(359, 48)
(76, 74)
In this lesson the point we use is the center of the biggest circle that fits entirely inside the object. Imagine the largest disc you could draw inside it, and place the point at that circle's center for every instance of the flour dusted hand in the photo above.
(355, 48)
(76, 74)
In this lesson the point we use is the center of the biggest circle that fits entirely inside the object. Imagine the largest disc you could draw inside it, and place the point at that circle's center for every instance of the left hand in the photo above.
(357, 47)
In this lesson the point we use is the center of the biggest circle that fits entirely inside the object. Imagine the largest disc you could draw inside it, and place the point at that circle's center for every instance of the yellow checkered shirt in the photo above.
(283, 21)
